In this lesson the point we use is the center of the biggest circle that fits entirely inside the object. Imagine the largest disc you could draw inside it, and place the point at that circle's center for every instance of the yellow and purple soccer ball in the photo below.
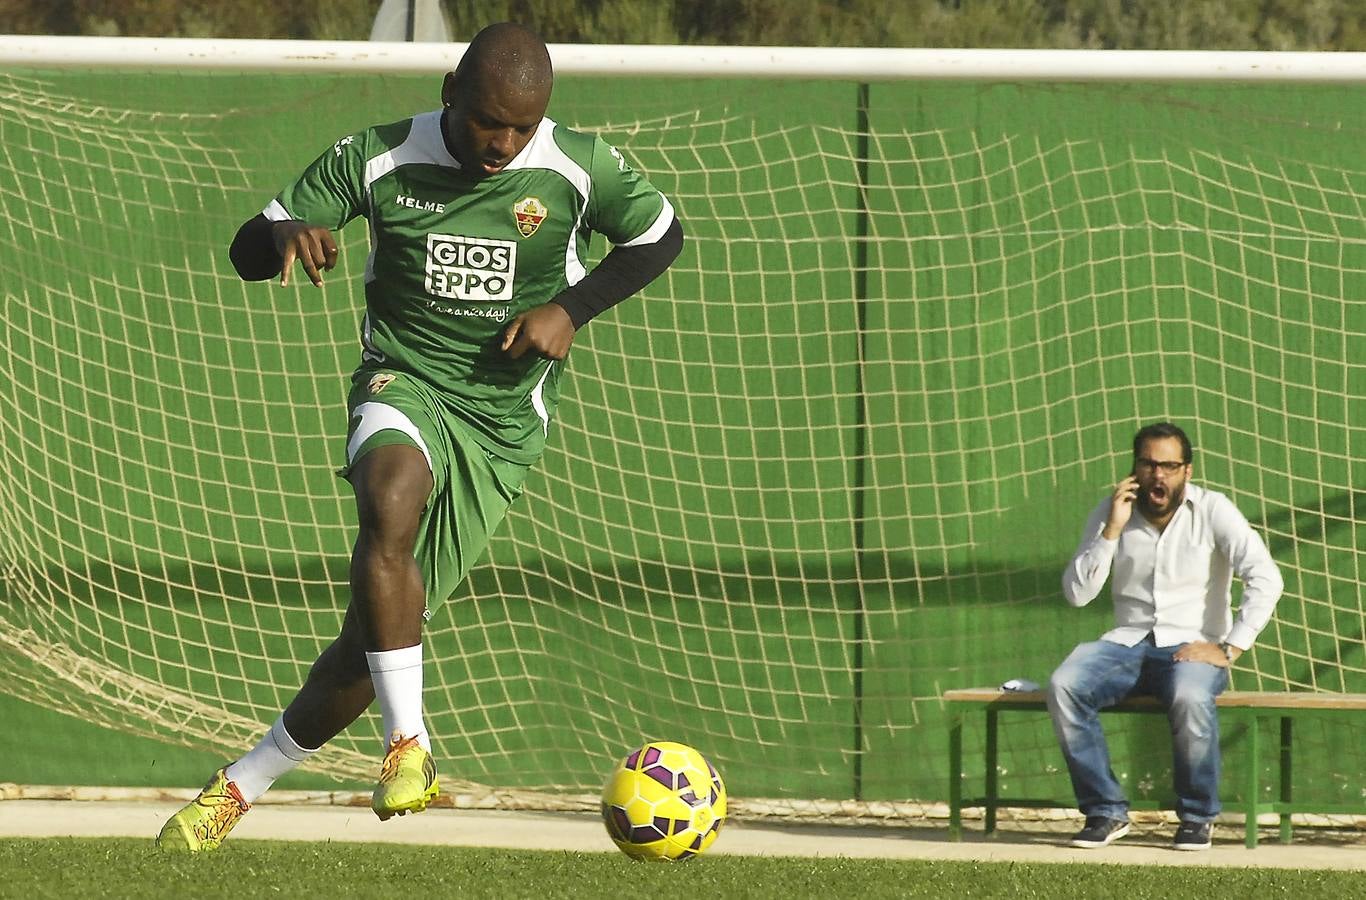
(664, 802)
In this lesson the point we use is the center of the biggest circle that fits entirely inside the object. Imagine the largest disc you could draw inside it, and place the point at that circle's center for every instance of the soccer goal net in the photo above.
(829, 466)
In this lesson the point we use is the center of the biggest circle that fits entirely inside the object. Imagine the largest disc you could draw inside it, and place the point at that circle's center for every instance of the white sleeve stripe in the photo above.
(656, 231)
(276, 212)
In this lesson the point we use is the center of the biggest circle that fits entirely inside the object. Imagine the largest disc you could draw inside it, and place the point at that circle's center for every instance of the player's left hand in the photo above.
(546, 329)
(1201, 651)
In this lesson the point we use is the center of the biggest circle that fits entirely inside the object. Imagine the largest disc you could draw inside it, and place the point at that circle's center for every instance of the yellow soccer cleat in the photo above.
(407, 780)
(207, 820)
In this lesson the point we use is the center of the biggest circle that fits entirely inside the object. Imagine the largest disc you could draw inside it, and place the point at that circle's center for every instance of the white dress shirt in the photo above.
(1176, 583)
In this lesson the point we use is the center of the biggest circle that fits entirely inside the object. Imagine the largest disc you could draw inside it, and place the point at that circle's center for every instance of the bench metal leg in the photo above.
(1286, 779)
(991, 772)
(955, 777)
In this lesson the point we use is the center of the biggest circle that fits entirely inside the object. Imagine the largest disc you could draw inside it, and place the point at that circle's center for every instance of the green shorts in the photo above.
(471, 487)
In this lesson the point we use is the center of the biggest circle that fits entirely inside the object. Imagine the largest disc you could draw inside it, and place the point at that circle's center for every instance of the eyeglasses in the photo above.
(1170, 466)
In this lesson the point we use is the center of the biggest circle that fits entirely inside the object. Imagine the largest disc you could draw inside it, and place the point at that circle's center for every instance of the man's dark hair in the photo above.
(1161, 430)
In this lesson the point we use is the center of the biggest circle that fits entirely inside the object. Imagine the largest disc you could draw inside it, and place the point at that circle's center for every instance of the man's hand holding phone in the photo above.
(1121, 507)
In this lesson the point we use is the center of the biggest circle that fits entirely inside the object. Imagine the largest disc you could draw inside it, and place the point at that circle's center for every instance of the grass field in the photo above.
(133, 868)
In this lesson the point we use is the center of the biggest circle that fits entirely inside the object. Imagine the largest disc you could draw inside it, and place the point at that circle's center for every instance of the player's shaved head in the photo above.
(506, 56)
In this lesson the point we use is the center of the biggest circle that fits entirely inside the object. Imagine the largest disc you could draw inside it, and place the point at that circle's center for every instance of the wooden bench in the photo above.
(1249, 707)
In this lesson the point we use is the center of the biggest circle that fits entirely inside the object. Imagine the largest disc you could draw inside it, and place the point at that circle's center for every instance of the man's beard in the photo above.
(1174, 499)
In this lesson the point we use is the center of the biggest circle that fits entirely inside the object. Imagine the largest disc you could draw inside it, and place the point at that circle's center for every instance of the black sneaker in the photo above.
(1193, 836)
(1100, 832)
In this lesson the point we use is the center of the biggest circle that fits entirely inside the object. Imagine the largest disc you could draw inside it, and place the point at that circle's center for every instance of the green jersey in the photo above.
(453, 258)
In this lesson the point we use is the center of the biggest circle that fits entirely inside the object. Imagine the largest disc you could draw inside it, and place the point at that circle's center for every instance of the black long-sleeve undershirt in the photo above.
(621, 273)
(253, 252)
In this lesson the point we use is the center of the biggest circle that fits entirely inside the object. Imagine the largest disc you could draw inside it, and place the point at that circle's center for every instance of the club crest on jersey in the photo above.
(530, 212)
(380, 382)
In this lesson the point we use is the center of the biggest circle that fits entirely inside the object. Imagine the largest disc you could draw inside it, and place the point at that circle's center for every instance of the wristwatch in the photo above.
(1223, 648)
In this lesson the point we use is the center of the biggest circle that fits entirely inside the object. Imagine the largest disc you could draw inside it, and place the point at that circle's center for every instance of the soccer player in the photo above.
(1170, 569)
(479, 216)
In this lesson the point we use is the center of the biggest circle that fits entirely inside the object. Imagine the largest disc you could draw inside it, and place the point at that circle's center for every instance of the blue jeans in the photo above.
(1100, 674)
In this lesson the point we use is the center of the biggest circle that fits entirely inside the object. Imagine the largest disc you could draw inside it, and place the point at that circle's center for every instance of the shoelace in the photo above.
(224, 809)
(389, 770)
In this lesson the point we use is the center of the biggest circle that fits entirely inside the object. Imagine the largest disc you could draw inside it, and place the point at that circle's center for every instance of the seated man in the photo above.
(1175, 636)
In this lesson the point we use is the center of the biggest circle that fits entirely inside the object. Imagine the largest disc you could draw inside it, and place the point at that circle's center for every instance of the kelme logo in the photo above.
(530, 213)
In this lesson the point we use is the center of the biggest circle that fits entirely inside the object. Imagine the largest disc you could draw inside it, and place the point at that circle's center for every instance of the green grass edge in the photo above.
(133, 868)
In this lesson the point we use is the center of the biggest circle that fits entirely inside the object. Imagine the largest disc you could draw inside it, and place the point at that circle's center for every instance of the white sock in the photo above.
(397, 675)
(276, 754)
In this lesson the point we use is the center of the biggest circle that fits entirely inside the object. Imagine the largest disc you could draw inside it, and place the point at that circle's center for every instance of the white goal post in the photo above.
(853, 63)
(796, 487)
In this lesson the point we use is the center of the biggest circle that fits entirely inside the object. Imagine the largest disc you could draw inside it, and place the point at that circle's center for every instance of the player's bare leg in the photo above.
(378, 652)
(337, 691)
(392, 485)
(387, 597)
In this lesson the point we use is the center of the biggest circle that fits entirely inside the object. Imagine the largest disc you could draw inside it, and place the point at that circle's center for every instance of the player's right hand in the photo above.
(309, 244)
(1121, 507)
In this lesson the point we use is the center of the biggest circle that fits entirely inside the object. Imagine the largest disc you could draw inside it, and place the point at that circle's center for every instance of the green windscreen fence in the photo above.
(829, 466)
